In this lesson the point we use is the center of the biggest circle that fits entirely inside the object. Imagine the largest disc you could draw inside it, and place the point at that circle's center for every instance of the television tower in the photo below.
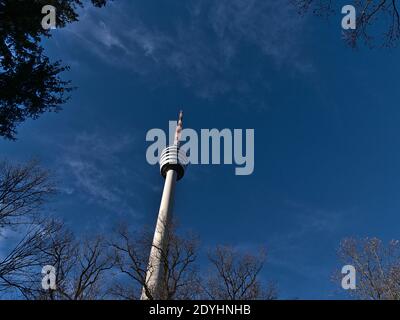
(173, 163)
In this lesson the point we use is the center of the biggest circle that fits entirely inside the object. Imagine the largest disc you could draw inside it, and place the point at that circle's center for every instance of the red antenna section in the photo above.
(179, 128)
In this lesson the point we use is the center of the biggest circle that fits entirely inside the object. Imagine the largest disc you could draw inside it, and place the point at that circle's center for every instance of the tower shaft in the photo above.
(155, 278)
(172, 167)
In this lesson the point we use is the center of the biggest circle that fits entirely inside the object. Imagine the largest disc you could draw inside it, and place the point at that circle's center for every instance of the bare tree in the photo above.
(236, 276)
(23, 190)
(178, 260)
(21, 267)
(372, 17)
(81, 267)
(377, 267)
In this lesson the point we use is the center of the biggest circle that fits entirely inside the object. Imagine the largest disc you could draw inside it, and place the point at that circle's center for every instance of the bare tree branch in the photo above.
(236, 276)
(178, 260)
(377, 267)
(23, 190)
(373, 16)
(20, 270)
(82, 267)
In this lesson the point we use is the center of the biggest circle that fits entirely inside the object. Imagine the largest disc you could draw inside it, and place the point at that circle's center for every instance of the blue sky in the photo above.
(327, 153)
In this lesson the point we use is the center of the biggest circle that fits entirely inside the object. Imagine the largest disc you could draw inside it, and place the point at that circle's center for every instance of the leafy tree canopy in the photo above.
(30, 83)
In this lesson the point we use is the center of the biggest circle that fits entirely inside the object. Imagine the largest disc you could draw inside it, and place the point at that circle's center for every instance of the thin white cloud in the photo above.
(309, 222)
(92, 165)
(201, 48)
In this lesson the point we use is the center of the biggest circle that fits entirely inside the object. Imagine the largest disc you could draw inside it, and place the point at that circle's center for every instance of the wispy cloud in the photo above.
(203, 47)
(312, 219)
(292, 245)
(92, 166)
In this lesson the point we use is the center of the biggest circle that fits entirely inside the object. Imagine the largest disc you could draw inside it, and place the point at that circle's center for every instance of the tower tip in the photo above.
(179, 127)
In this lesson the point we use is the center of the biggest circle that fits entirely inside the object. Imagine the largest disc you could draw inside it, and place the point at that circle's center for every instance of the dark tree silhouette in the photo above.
(81, 266)
(235, 276)
(30, 84)
(20, 268)
(376, 19)
(23, 190)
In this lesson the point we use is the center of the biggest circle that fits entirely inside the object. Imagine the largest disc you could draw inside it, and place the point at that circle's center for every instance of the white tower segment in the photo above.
(173, 163)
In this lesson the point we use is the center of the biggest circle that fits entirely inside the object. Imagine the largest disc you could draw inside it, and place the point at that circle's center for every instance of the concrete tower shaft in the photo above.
(173, 164)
